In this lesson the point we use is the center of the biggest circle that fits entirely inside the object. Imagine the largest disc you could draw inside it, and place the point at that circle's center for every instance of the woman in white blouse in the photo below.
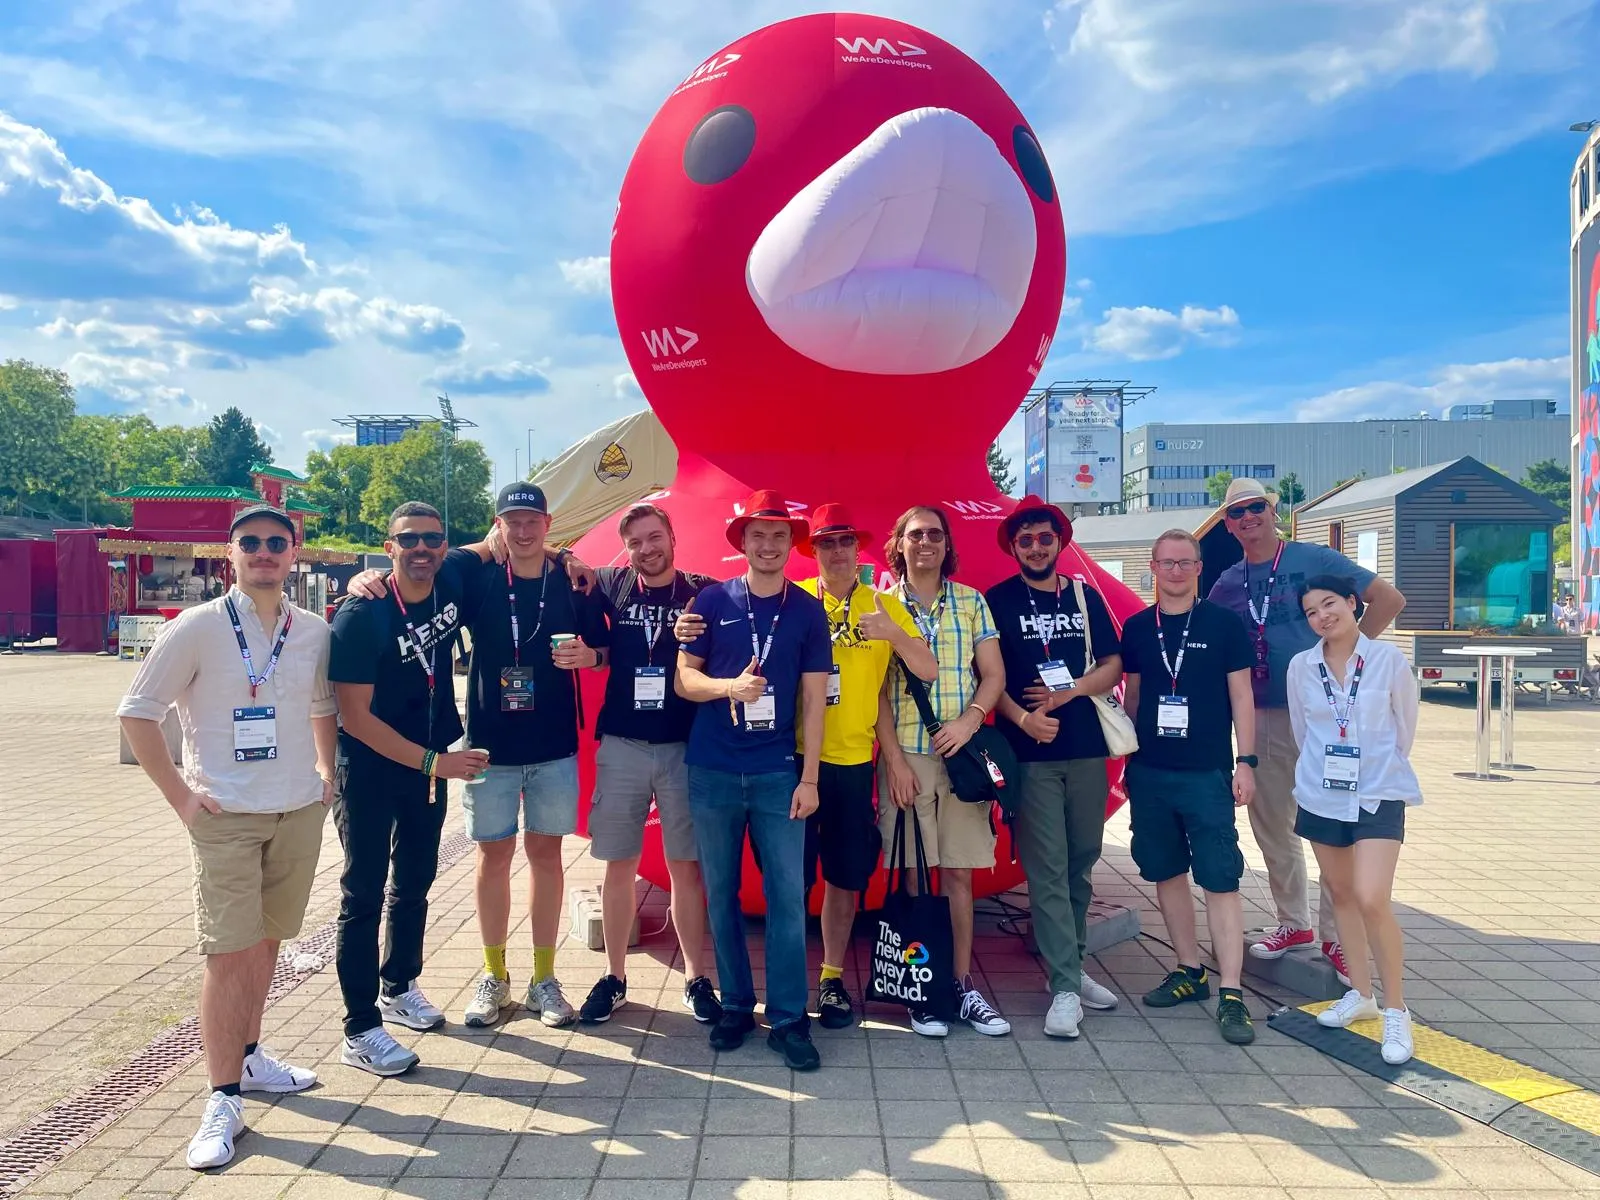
(1353, 707)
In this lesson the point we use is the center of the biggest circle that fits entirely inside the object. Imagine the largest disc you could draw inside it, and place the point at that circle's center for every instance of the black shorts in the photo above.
(1388, 823)
(843, 832)
(1182, 819)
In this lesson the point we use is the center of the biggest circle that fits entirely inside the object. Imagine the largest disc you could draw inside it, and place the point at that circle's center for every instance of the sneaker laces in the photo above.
(975, 1008)
(549, 992)
(488, 990)
(1351, 1001)
(412, 998)
(378, 1040)
(218, 1116)
(1394, 1024)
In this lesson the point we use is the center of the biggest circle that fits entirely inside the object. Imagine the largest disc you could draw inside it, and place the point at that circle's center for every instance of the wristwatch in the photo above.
(1248, 760)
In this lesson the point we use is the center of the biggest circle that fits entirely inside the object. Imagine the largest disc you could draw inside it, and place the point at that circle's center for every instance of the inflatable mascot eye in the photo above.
(721, 143)
(1030, 163)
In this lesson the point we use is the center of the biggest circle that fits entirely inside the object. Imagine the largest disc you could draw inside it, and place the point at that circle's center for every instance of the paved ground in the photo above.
(1498, 884)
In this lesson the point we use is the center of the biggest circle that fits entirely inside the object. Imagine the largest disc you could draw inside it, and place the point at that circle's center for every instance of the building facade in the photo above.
(1166, 466)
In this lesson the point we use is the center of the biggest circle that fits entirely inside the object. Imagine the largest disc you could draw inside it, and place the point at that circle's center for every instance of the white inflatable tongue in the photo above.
(910, 255)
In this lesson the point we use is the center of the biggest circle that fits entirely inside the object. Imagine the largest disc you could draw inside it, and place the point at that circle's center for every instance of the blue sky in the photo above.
(1325, 209)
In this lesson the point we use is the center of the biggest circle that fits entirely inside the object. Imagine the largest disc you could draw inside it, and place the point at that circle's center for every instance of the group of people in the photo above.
(791, 713)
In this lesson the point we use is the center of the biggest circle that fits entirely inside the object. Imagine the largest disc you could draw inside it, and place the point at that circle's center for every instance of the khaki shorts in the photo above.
(954, 833)
(252, 875)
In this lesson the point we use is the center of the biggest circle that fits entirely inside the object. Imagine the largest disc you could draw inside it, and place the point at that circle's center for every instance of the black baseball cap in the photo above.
(523, 497)
(267, 512)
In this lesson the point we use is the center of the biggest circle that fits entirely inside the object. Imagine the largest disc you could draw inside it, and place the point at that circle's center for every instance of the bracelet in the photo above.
(983, 714)
(809, 782)
(430, 759)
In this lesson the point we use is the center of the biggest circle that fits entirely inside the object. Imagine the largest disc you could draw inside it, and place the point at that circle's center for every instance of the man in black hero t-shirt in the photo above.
(390, 665)
(1188, 665)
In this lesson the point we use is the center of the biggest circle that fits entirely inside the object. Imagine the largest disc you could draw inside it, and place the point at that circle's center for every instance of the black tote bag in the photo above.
(913, 954)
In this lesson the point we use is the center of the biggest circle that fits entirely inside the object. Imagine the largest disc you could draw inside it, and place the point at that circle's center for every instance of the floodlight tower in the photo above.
(447, 437)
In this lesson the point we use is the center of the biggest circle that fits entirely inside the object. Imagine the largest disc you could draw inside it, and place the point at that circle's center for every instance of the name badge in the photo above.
(516, 689)
(255, 734)
(1341, 767)
(1172, 716)
(1055, 675)
(833, 685)
(649, 689)
(762, 713)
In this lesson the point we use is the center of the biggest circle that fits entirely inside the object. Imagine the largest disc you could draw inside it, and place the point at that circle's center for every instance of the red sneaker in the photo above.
(1282, 940)
(1334, 953)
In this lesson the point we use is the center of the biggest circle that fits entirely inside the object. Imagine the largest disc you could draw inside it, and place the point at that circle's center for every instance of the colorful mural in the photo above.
(1586, 412)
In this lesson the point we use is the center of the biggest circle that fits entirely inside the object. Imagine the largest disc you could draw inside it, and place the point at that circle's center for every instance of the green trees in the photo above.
(232, 447)
(413, 469)
(1000, 470)
(1217, 485)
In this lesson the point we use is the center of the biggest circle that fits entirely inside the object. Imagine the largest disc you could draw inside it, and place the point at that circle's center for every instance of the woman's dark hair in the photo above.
(897, 561)
(1339, 585)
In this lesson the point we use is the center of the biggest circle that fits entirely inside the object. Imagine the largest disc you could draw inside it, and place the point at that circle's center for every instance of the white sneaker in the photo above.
(411, 1009)
(1397, 1047)
(493, 994)
(1064, 1017)
(1353, 1007)
(977, 1012)
(546, 998)
(1096, 995)
(377, 1053)
(265, 1072)
(212, 1144)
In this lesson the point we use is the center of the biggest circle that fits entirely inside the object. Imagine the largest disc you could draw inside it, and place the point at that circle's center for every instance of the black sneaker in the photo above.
(1234, 1019)
(1179, 988)
(604, 999)
(700, 998)
(834, 1010)
(794, 1043)
(731, 1029)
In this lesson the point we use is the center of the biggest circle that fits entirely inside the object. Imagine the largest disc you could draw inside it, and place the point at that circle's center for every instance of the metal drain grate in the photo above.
(70, 1123)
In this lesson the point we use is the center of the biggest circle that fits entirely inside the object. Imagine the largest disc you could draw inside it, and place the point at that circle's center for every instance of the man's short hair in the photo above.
(1176, 535)
(638, 512)
(414, 508)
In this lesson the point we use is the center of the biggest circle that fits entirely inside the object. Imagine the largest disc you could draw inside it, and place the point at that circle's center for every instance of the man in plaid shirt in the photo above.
(957, 835)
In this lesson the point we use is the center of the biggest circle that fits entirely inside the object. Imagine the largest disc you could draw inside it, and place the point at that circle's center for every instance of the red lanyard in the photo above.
(416, 642)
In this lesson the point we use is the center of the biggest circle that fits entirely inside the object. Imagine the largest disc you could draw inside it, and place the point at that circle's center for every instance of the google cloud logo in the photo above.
(915, 954)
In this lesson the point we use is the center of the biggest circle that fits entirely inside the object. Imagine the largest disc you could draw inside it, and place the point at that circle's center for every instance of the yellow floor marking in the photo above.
(1581, 1110)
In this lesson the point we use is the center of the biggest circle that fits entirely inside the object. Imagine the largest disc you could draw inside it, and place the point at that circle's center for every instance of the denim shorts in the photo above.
(1182, 819)
(546, 793)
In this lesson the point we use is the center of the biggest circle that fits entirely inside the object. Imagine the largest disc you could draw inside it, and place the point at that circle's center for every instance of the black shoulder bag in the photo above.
(983, 770)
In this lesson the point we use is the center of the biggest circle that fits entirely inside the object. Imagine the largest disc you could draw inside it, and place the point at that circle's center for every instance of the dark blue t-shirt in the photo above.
(800, 646)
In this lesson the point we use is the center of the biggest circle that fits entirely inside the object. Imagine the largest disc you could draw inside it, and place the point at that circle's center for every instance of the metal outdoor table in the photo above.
(1486, 655)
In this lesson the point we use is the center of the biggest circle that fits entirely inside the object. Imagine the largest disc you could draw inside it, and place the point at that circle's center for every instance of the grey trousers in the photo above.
(1061, 821)
(1272, 815)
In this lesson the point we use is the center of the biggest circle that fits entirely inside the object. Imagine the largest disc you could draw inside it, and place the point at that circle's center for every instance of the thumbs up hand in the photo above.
(689, 624)
(877, 625)
(749, 685)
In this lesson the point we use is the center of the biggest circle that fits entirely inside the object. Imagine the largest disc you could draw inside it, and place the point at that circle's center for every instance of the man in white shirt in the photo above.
(249, 674)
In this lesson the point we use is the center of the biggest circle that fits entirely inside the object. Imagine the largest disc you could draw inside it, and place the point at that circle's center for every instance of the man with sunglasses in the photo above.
(391, 666)
(1046, 621)
(958, 838)
(1263, 588)
(249, 674)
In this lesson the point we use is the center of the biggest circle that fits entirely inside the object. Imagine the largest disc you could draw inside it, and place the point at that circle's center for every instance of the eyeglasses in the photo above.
(933, 537)
(1255, 508)
(1027, 540)
(1176, 564)
(408, 541)
(251, 544)
(845, 541)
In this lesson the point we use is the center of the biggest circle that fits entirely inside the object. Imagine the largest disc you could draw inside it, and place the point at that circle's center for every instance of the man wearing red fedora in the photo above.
(759, 670)
(1046, 621)
(867, 629)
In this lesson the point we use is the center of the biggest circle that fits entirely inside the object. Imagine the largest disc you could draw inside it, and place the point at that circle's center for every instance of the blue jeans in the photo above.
(723, 806)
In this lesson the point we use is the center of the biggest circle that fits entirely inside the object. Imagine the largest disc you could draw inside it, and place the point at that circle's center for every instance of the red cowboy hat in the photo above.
(765, 504)
(831, 520)
(1032, 508)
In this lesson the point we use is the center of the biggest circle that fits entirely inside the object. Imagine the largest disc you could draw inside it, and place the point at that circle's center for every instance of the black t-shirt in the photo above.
(1217, 644)
(625, 616)
(371, 644)
(1037, 627)
(549, 730)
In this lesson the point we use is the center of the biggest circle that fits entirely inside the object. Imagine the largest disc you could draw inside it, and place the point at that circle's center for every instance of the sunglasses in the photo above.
(846, 541)
(409, 541)
(932, 536)
(1028, 540)
(251, 544)
(1176, 564)
(1254, 508)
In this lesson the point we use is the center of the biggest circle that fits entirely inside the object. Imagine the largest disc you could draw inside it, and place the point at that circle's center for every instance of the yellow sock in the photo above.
(544, 962)
(494, 961)
(831, 972)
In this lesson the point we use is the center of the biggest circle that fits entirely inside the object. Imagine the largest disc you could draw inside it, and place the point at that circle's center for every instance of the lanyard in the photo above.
(1038, 620)
(761, 649)
(1173, 668)
(1342, 719)
(244, 647)
(416, 643)
(511, 599)
(1266, 601)
(653, 630)
(835, 632)
(928, 622)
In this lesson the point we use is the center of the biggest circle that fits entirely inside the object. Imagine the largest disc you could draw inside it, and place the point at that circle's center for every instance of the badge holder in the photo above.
(1056, 676)
(833, 685)
(761, 714)
(649, 689)
(1172, 716)
(516, 689)
(1341, 767)
(255, 734)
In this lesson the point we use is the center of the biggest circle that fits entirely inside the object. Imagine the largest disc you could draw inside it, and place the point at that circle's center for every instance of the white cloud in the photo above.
(327, 439)
(514, 378)
(1144, 333)
(1458, 384)
(591, 275)
(626, 387)
(7, 302)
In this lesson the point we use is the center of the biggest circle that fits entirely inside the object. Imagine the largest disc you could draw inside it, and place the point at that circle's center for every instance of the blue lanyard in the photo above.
(1173, 668)
(1342, 719)
(244, 647)
(762, 649)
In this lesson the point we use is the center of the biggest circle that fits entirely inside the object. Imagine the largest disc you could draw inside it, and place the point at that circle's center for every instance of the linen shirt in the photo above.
(1383, 723)
(959, 620)
(195, 663)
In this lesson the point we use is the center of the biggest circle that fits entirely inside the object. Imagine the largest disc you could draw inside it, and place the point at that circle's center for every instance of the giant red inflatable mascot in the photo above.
(837, 265)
